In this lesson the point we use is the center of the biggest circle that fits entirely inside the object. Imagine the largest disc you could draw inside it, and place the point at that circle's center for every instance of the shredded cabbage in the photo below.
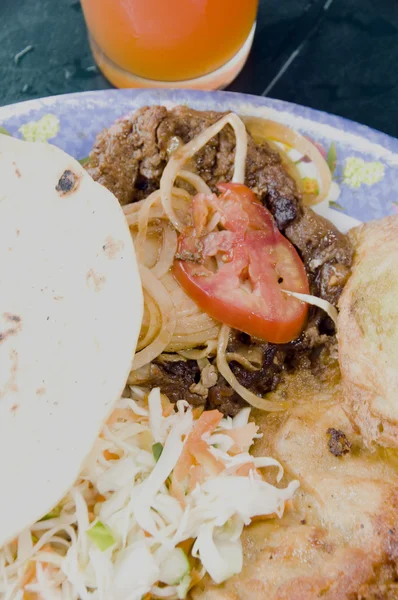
(116, 535)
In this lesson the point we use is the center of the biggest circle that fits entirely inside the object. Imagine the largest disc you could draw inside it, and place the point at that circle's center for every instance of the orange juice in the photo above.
(169, 40)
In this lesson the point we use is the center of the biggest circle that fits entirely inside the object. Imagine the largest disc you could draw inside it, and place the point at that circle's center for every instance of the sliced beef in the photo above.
(326, 253)
(265, 379)
(175, 378)
(125, 157)
(129, 159)
(223, 398)
(259, 382)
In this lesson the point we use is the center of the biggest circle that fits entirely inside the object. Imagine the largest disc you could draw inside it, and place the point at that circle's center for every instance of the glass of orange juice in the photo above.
(170, 43)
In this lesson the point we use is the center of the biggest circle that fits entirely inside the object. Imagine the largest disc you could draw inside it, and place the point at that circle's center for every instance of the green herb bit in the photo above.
(157, 450)
(53, 514)
(101, 535)
(332, 158)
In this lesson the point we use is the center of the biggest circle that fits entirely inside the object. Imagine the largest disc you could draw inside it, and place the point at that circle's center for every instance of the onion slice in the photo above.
(143, 220)
(192, 340)
(152, 323)
(274, 131)
(199, 353)
(226, 372)
(180, 157)
(161, 297)
(329, 309)
(195, 180)
(167, 251)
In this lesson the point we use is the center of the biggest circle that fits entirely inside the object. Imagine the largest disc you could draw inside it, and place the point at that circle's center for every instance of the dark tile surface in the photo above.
(340, 56)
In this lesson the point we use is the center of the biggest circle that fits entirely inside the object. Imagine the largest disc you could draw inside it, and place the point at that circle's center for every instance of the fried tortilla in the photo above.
(70, 315)
(368, 339)
(339, 540)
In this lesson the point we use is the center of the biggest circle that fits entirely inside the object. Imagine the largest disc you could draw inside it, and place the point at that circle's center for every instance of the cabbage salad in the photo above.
(162, 500)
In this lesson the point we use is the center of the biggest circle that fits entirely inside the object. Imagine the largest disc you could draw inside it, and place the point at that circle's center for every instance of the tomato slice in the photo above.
(236, 273)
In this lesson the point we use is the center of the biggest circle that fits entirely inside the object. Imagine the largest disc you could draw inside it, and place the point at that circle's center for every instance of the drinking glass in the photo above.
(170, 43)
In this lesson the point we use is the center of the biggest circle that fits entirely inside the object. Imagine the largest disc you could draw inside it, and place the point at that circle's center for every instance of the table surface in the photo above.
(339, 56)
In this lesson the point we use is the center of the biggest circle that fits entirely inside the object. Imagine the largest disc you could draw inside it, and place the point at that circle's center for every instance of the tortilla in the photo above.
(70, 315)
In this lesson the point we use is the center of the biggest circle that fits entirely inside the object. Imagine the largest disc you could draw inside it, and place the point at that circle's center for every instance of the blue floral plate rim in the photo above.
(367, 159)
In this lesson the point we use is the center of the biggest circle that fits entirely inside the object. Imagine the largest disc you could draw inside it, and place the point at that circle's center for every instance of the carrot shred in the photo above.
(242, 437)
(244, 470)
(110, 455)
(177, 489)
(197, 411)
(196, 576)
(196, 452)
(180, 473)
(198, 448)
(29, 575)
(186, 545)
(201, 452)
(167, 406)
(30, 596)
(196, 476)
(206, 423)
(122, 413)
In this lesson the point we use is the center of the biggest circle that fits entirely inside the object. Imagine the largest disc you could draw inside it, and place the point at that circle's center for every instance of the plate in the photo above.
(366, 160)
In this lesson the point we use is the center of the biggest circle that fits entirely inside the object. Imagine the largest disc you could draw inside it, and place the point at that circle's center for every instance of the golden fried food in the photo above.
(368, 333)
(340, 540)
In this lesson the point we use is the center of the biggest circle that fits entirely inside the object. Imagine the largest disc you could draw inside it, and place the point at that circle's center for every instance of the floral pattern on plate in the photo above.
(364, 162)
